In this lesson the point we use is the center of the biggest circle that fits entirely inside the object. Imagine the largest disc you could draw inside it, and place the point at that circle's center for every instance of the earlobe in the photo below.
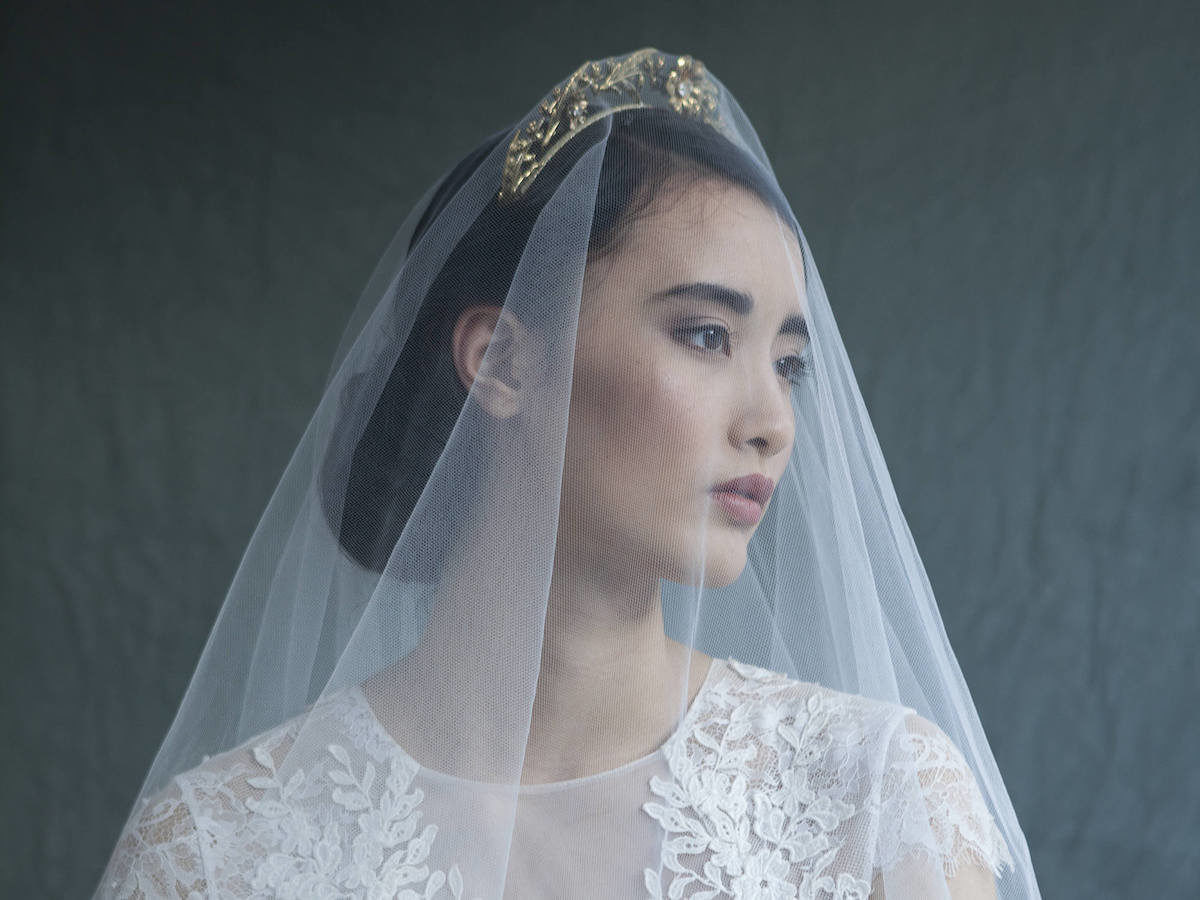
(489, 344)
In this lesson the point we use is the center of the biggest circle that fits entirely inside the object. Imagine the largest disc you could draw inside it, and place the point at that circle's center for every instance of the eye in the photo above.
(795, 368)
(687, 333)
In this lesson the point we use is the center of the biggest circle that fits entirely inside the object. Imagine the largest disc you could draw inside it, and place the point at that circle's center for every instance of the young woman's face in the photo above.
(675, 391)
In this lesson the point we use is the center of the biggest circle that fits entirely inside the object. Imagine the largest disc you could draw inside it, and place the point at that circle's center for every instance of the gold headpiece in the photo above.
(601, 88)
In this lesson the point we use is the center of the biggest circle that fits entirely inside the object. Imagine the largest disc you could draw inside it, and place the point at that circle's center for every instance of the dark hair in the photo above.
(423, 397)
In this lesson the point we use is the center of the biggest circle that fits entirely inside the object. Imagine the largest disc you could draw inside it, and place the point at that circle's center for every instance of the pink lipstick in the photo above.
(745, 498)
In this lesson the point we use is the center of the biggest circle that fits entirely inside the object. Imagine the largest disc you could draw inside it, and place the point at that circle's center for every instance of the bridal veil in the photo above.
(591, 425)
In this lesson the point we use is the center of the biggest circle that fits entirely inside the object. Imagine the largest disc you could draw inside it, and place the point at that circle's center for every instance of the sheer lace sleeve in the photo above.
(931, 808)
(158, 854)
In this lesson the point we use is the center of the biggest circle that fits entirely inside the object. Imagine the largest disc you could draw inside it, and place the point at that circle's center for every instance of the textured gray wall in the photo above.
(1003, 203)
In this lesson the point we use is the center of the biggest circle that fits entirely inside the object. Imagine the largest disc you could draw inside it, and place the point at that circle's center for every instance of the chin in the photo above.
(724, 563)
(724, 572)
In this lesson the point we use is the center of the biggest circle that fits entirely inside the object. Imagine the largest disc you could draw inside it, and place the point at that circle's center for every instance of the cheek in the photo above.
(680, 420)
(640, 425)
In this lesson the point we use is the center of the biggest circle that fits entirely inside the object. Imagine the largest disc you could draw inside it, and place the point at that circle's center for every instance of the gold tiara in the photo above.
(600, 88)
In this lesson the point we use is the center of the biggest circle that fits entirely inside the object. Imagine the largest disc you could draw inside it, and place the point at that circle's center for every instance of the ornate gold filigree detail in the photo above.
(600, 88)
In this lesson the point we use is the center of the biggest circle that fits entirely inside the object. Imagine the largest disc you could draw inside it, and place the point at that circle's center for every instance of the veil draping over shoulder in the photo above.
(587, 577)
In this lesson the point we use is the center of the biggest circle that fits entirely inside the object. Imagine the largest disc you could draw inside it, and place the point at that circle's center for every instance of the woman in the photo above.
(587, 578)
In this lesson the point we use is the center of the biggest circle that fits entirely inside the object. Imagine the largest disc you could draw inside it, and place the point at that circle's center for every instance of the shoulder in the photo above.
(798, 766)
(912, 767)
(759, 722)
(879, 757)
(158, 852)
(931, 805)
(838, 713)
(337, 731)
(168, 843)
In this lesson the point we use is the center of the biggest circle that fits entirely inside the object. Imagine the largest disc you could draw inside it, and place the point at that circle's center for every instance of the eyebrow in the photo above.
(741, 303)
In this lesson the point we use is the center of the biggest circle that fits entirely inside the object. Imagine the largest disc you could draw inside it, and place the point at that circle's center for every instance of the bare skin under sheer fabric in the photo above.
(818, 768)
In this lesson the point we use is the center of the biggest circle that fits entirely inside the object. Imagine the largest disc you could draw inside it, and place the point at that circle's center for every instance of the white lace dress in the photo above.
(770, 788)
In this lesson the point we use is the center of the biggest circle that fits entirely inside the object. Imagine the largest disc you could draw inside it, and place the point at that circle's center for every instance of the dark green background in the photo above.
(1003, 202)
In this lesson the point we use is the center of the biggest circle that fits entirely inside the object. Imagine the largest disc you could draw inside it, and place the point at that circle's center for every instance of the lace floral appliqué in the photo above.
(774, 790)
(768, 783)
(348, 826)
(389, 851)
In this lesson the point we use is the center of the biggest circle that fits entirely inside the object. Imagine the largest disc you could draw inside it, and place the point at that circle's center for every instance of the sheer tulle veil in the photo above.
(587, 576)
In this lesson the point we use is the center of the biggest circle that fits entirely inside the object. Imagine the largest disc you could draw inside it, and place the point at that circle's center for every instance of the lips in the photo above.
(757, 487)
(745, 498)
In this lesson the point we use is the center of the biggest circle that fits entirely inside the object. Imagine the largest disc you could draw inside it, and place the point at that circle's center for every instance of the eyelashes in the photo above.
(799, 368)
(795, 368)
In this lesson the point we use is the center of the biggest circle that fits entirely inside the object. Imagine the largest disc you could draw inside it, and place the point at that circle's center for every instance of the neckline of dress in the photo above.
(710, 678)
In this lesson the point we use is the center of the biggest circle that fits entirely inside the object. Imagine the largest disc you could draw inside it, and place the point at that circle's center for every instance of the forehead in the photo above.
(715, 231)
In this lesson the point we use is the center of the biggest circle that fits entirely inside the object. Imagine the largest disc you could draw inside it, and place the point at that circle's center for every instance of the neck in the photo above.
(541, 681)
(611, 686)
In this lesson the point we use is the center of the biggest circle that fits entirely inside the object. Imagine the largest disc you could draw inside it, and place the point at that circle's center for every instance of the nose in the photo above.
(764, 417)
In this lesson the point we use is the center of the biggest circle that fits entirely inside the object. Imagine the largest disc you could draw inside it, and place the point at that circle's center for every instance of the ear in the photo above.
(491, 354)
